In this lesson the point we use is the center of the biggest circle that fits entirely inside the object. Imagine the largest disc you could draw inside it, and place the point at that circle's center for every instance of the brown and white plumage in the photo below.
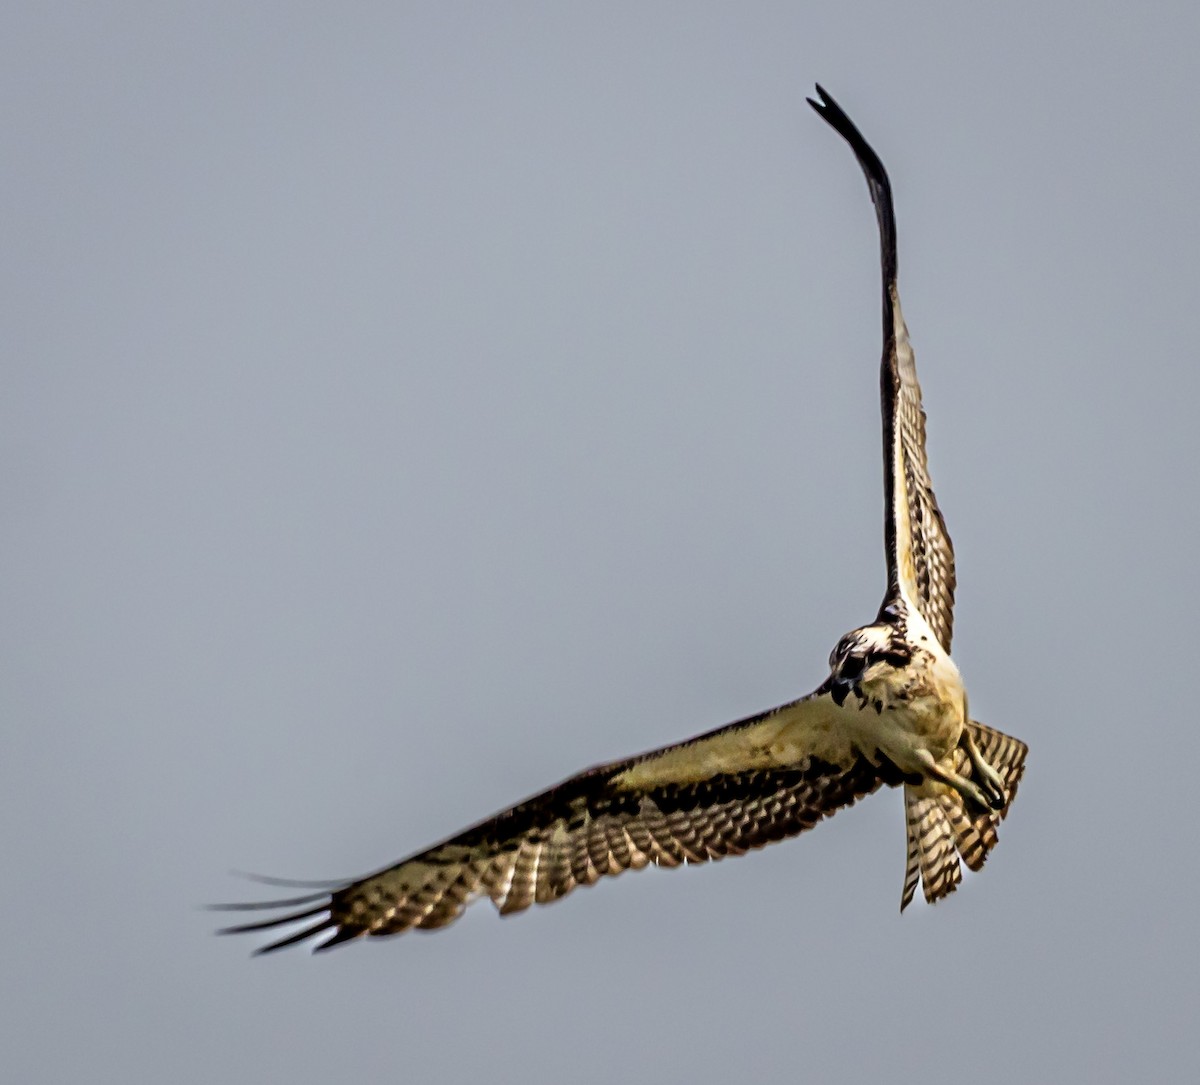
(920, 556)
(735, 789)
(940, 828)
(893, 711)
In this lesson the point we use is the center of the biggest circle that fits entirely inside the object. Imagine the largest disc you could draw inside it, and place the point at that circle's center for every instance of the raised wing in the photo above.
(919, 552)
(743, 786)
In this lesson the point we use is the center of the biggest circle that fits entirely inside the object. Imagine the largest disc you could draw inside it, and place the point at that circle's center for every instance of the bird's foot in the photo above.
(981, 795)
(991, 783)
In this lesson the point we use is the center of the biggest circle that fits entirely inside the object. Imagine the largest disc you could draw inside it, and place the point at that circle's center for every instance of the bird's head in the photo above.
(865, 655)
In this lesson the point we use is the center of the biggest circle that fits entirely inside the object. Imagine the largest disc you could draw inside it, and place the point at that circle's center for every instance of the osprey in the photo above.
(892, 711)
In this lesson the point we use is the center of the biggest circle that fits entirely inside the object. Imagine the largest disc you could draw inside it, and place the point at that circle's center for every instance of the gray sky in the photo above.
(405, 407)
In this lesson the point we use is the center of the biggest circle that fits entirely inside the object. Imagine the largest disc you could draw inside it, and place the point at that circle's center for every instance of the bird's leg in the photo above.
(968, 789)
(991, 780)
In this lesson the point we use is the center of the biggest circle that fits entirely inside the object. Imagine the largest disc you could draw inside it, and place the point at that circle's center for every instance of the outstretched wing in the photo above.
(740, 787)
(919, 552)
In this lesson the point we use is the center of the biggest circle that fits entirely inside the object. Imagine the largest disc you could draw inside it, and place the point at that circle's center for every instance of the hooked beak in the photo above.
(839, 690)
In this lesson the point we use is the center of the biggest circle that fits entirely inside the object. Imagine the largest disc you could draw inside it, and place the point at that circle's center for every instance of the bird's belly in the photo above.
(901, 735)
(924, 712)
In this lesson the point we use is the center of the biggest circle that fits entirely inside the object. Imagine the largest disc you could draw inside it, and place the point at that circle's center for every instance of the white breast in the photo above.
(921, 707)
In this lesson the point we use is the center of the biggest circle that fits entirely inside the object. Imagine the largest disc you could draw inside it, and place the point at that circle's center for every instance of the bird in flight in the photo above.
(892, 711)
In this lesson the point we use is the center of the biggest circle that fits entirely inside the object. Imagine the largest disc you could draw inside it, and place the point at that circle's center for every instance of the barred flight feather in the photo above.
(575, 834)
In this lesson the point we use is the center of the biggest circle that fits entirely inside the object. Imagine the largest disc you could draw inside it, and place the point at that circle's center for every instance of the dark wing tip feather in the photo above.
(260, 905)
(299, 936)
(841, 123)
(823, 102)
(275, 921)
(292, 883)
(343, 934)
(324, 905)
(872, 166)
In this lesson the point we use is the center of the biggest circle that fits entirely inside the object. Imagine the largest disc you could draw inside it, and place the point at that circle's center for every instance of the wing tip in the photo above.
(323, 913)
(824, 100)
(339, 936)
(291, 883)
(308, 932)
(262, 905)
(839, 120)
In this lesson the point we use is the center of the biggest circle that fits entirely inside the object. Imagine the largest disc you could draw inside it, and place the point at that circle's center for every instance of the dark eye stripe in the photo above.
(893, 659)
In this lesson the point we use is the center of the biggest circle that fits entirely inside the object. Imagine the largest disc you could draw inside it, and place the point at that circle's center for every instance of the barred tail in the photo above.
(940, 826)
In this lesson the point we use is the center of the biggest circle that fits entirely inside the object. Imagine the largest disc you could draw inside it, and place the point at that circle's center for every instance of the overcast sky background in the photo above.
(405, 407)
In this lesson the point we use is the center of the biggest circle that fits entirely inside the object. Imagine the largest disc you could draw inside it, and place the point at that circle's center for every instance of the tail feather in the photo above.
(940, 826)
(932, 858)
(973, 841)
